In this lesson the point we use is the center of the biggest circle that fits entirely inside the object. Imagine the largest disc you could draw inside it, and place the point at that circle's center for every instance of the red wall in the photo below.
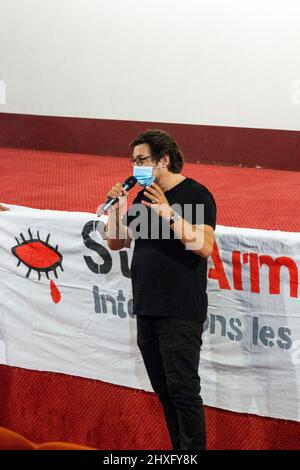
(277, 149)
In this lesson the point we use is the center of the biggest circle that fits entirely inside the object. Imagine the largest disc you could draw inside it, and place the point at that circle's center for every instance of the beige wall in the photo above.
(219, 62)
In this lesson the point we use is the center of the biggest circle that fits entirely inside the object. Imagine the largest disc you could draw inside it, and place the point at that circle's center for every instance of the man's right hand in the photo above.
(118, 191)
(117, 234)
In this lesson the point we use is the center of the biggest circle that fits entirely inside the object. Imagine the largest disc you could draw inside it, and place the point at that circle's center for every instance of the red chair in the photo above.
(10, 440)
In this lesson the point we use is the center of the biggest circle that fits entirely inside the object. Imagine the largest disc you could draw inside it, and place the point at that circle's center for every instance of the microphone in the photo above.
(128, 184)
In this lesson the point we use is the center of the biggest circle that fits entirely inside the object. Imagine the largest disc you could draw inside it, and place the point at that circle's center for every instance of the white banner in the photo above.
(66, 306)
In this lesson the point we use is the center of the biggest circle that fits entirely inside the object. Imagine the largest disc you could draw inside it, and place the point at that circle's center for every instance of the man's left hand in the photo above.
(159, 202)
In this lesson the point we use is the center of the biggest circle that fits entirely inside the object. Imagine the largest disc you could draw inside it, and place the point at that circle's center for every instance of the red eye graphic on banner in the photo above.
(39, 256)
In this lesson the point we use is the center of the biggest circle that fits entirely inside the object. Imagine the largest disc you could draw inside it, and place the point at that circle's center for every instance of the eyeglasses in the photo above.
(139, 161)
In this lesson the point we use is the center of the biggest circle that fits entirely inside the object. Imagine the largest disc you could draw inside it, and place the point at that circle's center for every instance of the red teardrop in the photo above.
(55, 294)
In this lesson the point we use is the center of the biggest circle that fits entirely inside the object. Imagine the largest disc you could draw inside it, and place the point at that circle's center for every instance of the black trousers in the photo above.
(171, 351)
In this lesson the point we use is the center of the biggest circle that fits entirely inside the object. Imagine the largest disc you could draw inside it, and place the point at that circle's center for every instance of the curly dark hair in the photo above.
(161, 143)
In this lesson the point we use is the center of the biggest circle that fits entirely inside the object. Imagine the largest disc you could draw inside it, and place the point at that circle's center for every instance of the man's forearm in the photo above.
(116, 232)
(195, 238)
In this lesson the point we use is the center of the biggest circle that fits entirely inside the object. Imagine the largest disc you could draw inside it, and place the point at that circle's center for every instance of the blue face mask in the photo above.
(144, 175)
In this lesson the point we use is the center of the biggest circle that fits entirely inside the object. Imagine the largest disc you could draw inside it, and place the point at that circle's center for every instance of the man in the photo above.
(169, 277)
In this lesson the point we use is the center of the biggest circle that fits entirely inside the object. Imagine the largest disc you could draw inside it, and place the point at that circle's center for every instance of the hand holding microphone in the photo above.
(116, 197)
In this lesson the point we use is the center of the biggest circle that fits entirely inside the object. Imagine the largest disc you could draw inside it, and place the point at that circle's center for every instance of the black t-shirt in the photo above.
(167, 279)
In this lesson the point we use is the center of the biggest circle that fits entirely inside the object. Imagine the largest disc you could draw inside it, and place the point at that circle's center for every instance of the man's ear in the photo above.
(165, 160)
